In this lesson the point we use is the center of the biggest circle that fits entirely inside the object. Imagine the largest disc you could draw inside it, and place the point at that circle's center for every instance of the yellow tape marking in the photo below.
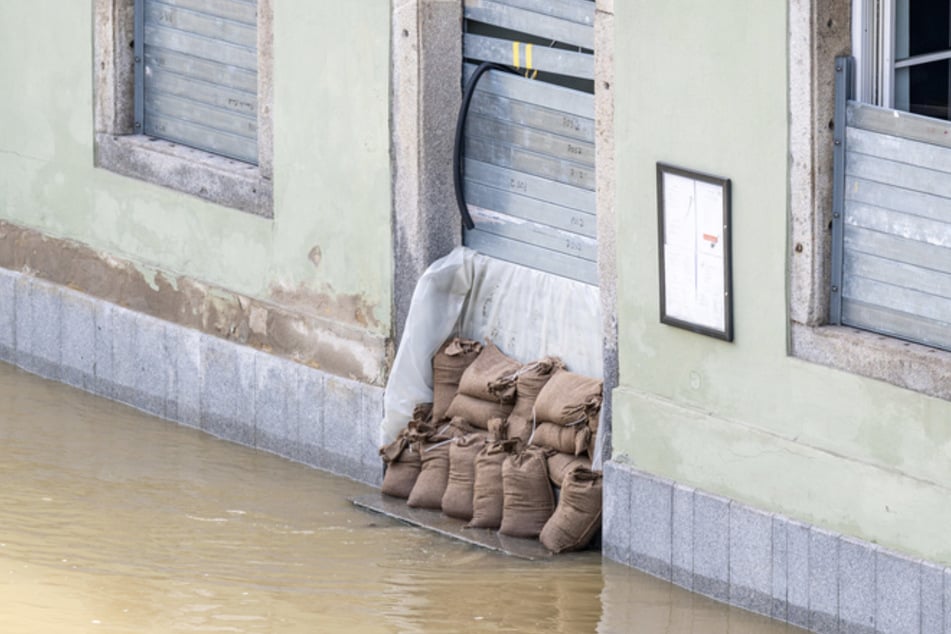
(528, 56)
(516, 56)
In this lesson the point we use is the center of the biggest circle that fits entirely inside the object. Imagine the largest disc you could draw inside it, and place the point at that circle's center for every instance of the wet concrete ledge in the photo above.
(768, 563)
(229, 390)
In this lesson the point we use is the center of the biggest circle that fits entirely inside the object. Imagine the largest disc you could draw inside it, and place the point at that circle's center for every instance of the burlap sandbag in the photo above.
(573, 439)
(487, 487)
(532, 377)
(578, 516)
(519, 427)
(449, 362)
(401, 473)
(497, 429)
(433, 475)
(457, 500)
(528, 500)
(491, 368)
(476, 411)
(559, 464)
(568, 398)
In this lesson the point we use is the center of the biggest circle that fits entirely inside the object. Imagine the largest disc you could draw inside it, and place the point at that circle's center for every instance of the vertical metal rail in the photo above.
(138, 51)
(843, 93)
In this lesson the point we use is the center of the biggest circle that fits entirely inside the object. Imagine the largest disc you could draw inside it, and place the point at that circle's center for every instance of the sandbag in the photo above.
(491, 377)
(457, 500)
(433, 475)
(532, 377)
(487, 484)
(527, 498)
(578, 516)
(476, 411)
(568, 398)
(402, 467)
(449, 362)
(559, 464)
(573, 439)
(519, 427)
(497, 429)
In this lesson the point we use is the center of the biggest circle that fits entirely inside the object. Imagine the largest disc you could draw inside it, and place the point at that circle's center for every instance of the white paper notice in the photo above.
(693, 251)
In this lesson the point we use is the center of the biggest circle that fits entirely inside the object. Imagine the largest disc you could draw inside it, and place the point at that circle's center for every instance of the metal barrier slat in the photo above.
(531, 209)
(533, 256)
(161, 105)
(561, 62)
(201, 47)
(545, 143)
(921, 254)
(235, 10)
(204, 70)
(906, 300)
(896, 323)
(901, 150)
(193, 135)
(571, 102)
(580, 11)
(555, 240)
(522, 160)
(204, 24)
(223, 97)
(900, 274)
(532, 116)
(537, 187)
(539, 24)
(898, 199)
(908, 176)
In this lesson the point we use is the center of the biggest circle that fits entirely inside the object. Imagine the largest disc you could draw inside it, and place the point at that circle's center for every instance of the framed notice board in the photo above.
(694, 246)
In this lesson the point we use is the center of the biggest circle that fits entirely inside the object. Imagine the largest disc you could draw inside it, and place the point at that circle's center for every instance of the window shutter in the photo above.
(196, 74)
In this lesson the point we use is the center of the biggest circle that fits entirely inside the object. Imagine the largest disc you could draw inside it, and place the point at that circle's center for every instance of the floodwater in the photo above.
(113, 521)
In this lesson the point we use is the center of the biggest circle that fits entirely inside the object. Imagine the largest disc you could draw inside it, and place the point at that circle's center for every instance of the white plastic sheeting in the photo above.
(527, 313)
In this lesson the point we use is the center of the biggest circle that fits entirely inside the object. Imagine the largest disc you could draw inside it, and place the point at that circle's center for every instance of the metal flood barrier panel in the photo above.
(196, 74)
(891, 221)
(528, 161)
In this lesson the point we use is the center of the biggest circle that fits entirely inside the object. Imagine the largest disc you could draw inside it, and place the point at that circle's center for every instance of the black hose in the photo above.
(460, 137)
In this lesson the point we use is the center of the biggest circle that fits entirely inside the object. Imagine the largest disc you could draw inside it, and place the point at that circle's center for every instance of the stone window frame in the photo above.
(819, 30)
(119, 149)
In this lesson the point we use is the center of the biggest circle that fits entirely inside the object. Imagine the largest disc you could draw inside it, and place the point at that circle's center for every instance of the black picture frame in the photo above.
(702, 315)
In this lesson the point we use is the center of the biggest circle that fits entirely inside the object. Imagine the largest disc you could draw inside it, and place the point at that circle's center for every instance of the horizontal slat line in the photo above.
(897, 298)
(899, 150)
(552, 60)
(523, 184)
(555, 240)
(545, 143)
(531, 116)
(214, 27)
(531, 22)
(896, 324)
(539, 93)
(512, 157)
(901, 124)
(889, 172)
(897, 199)
(157, 104)
(234, 10)
(201, 47)
(202, 138)
(215, 95)
(898, 224)
(581, 11)
(895, 273)
(532, 256)
(532, 209)
(895, 248)
(205, 70)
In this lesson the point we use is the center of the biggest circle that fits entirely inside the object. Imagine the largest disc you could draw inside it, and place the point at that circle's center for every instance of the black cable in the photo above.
(460, 136)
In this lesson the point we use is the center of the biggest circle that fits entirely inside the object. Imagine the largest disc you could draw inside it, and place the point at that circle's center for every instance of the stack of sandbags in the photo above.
(531, 378)
(432, 445)
(566, 413)
(486, 388)
(400, 458)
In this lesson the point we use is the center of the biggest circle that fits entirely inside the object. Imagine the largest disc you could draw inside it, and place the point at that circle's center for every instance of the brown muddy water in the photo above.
(113, 521)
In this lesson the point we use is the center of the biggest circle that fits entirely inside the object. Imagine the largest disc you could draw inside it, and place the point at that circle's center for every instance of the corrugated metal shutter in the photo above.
(894, 246)
(529, 140)
(196, 74)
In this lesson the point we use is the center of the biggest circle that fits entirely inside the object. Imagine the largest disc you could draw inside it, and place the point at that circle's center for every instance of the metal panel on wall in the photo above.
(196, 69)
(529, 159)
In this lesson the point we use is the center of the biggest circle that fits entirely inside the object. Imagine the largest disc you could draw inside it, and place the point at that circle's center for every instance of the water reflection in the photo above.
(113, 521)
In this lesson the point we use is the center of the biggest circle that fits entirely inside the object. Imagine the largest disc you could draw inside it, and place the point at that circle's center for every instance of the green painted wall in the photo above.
(331, 158)
(703, 85)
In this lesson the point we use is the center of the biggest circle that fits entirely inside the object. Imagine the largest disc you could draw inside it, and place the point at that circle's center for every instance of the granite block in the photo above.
(616, 513)
(711, 551)
(47, 346)
(797, 574)
(227, 379)
(104, 383)
(681, 544)
(343, 409)
(310, 411)
(276, 405)
(751, 558)
(932, 599)
(898, 593)
(8, 324)
(183, 404)
(823, 581)
(140, 361)
(78, 336)
(372, 418)
(778, 570)
(856, 587)
(23, 329)
(651, 513)
(947, 601)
